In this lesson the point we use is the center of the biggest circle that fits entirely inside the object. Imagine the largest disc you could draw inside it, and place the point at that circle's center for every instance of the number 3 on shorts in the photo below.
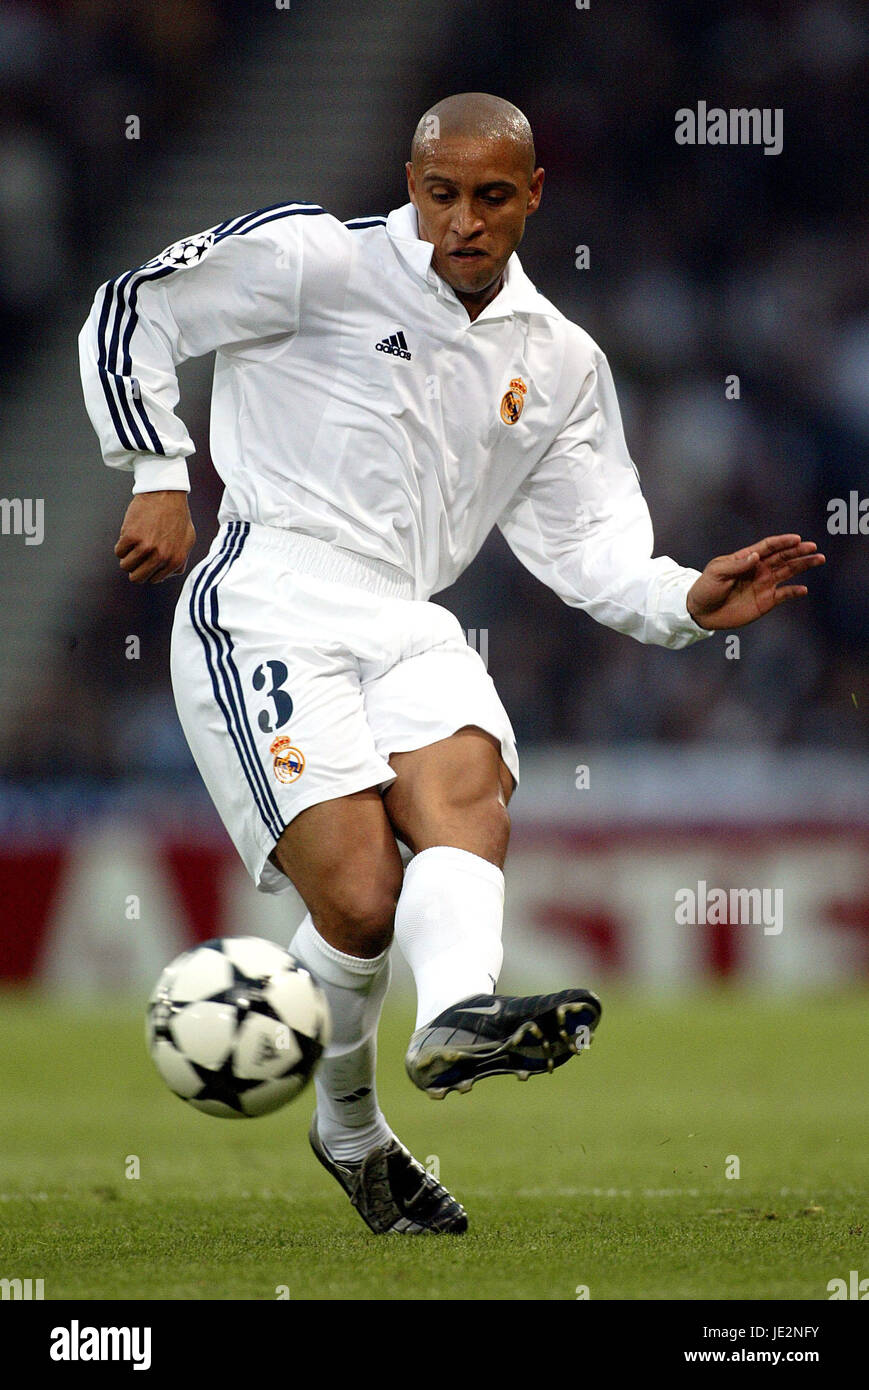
(282, 701)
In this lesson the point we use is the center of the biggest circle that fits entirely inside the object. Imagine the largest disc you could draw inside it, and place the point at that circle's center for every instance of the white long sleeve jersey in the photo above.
(355, 401)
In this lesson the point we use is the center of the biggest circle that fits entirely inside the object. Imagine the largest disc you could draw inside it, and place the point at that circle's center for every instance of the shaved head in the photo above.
(472, 180)
(473, 116)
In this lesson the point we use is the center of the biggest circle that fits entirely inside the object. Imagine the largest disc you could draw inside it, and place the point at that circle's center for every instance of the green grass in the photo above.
(610, 1174)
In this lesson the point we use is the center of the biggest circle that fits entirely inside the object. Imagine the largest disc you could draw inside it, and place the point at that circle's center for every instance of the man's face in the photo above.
(472, 197)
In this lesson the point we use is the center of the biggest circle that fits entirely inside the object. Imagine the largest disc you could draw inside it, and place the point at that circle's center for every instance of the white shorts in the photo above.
(299, 667)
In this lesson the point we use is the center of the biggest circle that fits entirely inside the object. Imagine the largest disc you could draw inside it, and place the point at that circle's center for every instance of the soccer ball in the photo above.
(235, 1027)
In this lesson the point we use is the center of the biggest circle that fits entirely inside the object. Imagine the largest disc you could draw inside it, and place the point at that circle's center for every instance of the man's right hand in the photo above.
(156, 537)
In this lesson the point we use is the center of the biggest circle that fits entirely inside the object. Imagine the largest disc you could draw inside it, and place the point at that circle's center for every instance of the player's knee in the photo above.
(361, 913)
(490, 820)
(480, 824)
(452, 794)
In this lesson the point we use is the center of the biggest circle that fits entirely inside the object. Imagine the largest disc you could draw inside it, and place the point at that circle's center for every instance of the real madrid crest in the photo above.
(513, 400)
(289, 763)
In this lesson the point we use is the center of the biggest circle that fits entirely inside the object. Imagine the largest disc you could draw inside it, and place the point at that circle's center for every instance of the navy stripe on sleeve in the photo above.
(114, 359)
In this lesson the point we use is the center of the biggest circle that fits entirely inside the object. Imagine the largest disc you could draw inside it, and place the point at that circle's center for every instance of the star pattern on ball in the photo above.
(311, 1050)
(222, 1085)
(246, 996)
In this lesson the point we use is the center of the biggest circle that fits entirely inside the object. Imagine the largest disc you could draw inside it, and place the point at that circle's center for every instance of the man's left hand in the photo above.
(736, 589)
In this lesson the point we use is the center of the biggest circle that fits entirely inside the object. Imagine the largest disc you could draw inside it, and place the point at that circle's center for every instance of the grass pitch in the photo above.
(609, 1175)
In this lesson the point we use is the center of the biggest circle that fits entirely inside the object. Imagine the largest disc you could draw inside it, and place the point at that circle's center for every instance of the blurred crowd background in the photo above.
(704, 262)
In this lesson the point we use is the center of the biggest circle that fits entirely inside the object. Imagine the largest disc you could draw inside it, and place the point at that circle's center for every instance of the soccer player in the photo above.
(385, 392)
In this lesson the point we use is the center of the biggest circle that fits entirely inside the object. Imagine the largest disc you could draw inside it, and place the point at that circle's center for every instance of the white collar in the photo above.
(517, 295)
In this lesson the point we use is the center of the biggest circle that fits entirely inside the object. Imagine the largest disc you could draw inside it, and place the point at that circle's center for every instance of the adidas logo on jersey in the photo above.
(394, 344)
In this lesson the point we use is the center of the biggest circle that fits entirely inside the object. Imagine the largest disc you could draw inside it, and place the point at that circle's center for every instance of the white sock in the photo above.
(355, 989)
(448, 925)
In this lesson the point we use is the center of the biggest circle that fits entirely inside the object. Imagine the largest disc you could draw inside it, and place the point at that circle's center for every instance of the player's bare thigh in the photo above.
(453, 792)
(342, 858)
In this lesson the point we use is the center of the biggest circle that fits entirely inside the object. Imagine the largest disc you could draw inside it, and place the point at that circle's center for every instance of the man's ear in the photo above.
(411, 182)
(535, 191)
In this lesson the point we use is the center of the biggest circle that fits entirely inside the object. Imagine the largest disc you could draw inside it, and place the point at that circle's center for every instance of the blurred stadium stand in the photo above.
(704, 263)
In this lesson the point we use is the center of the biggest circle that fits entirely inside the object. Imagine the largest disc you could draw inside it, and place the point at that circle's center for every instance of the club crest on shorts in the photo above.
(513, 400)
(289, 762)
